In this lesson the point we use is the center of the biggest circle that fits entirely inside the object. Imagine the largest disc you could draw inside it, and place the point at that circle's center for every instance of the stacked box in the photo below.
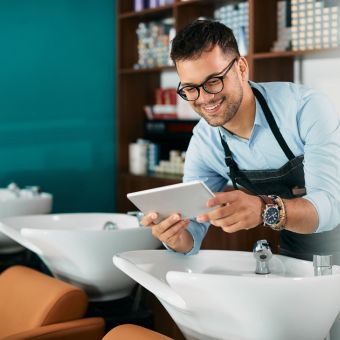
(315, 24)
(236, 18)
(154, 43)
(175, 164)
(284, 30)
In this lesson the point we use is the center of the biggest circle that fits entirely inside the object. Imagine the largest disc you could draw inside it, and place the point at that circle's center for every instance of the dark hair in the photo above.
(202, 35)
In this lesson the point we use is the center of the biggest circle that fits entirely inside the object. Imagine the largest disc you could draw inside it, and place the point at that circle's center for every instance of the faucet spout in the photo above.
(262, 253)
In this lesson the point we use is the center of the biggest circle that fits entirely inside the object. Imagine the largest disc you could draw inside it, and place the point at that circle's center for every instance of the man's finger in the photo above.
(168, 223)
(202, 218)
(174, 231)
(218, 213)
(227, 220)
(148, 219)
(222, 198)
(233, 228)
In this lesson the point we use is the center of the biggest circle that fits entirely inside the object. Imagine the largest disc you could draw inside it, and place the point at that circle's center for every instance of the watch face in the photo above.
(271, 215)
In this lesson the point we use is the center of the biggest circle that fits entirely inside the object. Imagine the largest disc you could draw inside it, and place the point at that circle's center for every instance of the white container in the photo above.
(138, 158)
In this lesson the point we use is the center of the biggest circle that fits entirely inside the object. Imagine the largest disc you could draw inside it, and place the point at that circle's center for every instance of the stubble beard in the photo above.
(230, 106)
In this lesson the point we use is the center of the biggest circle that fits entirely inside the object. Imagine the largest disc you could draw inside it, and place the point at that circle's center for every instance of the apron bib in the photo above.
(286, 182)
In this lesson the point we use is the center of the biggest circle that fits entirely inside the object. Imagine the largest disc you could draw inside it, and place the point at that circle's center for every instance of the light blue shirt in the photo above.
(309, 124)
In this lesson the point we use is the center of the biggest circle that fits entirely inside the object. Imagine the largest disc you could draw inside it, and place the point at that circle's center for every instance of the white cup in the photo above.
(138, 158)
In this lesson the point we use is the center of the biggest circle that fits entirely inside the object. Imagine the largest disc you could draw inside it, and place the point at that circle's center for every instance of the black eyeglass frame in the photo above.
(197, 87)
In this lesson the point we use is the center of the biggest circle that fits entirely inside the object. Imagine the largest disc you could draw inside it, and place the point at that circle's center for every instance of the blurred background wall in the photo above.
(321, 71)
(57, 100)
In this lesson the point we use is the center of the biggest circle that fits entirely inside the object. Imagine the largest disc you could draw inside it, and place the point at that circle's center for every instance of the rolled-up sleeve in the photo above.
(197, 231)
(320, 131)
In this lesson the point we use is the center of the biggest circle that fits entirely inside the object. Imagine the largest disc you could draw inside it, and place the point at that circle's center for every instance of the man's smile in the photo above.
(212, 107)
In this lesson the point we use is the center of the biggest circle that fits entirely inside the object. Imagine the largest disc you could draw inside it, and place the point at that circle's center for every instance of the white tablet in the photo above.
(188, 199)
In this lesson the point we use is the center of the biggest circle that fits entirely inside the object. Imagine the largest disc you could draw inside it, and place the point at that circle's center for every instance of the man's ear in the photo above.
(244, 70)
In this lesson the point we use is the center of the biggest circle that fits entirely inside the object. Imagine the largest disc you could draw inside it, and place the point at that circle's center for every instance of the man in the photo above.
(278, 141)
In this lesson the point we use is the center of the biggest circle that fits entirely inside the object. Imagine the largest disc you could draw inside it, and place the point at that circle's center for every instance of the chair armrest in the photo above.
(129, 331)
(85, 329)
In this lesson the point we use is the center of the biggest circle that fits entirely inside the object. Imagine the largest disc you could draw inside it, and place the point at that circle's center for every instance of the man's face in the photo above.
(217, 109)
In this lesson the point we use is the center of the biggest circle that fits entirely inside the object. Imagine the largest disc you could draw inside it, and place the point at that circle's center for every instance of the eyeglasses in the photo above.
(212, 85)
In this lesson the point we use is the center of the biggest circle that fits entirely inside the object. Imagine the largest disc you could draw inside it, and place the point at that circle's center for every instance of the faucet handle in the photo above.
(33, 189)
(262, 254)
(323, 264)
(14, 189)
(261, 245)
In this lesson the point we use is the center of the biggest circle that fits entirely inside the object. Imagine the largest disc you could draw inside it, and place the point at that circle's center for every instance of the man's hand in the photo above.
(235, 211)
(171, 231)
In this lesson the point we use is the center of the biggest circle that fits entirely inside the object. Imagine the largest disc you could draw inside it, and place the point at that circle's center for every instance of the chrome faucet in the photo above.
(34, 189)
(109, 225)
(323, 264)
(138, 214)
(262, 254)
(14, 189)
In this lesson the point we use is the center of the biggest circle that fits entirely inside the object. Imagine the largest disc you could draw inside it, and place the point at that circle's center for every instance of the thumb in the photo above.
(221, 198)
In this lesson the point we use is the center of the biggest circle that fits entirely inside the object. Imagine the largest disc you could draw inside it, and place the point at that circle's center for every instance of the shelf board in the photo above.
(269, 55)
(166, 8)
(200, 2)
(187, 2)
(170, 177)
(146, 70)
(288, 54)
(149, 12)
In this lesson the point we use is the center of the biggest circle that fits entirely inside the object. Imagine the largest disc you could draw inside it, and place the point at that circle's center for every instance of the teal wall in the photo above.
(57, 100)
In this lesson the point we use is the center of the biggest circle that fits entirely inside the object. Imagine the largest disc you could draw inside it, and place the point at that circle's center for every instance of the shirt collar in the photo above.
(260, 120)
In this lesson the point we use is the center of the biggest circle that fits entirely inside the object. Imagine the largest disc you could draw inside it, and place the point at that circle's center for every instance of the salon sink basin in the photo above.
(21, 202)
(216, 294)
(78, 248)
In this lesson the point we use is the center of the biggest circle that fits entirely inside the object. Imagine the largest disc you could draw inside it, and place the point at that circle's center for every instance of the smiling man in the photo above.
(279, 142)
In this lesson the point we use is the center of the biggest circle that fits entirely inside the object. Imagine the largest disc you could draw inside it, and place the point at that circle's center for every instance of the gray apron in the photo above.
(286, 182)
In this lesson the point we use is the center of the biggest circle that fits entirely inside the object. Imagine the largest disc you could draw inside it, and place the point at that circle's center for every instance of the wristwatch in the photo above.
(274, 213)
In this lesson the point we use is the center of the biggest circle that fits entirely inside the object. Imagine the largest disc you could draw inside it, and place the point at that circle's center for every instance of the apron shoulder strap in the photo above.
(234, 171)
(272, 124)
(229, 161)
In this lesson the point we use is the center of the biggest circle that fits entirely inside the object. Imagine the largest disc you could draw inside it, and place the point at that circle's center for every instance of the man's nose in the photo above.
(204, 96)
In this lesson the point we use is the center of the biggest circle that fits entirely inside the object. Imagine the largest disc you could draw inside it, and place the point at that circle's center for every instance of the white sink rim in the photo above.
(60, 218)
(71, 254)
(285, 260)
(179, 290)
(22, 206)
(22, 199)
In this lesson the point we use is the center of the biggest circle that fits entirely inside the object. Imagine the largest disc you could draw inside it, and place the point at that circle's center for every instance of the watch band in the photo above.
(266, 199)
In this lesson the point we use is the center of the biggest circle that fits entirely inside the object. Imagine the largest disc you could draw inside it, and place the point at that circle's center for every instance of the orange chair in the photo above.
(133, 332)
(36, 306)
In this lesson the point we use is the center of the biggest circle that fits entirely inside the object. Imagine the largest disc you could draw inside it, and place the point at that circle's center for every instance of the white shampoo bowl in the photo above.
(217, 295)
(19, 206)
(78, 249)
